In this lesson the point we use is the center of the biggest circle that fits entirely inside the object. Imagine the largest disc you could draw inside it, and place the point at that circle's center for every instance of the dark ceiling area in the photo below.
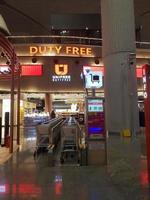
(36, 17)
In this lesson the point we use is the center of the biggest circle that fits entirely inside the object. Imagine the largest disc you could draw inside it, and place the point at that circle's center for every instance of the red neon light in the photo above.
(58, 188)
(29, 189)
(143, 71)
(144, 178)
(20, 189)
(31, 70)
(139, 72)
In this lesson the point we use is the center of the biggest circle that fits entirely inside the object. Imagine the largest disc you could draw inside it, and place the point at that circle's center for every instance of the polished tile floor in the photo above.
(125, 178)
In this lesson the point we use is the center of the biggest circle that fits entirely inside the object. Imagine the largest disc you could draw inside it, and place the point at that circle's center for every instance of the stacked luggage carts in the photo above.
(48, 135)
(69, 142)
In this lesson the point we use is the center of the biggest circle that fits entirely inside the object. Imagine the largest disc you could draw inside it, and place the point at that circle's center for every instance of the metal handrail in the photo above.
(80, 135)
(57, 124)
(53, 39)
(52, 129)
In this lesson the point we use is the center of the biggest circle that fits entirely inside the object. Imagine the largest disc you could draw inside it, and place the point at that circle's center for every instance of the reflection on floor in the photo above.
(125, 177)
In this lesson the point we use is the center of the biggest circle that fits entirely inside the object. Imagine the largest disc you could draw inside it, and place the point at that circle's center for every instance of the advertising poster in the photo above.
(93, 77)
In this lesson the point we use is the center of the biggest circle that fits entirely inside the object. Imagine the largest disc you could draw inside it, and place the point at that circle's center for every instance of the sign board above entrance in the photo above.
(56, 50)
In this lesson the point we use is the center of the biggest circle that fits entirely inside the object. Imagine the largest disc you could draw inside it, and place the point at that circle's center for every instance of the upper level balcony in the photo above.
(57, 39)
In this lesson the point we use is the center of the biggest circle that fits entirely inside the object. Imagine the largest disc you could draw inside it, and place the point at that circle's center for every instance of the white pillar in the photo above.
(118, 33)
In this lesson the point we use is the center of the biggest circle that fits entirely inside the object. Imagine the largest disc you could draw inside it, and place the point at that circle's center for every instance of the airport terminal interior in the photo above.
(74, 100)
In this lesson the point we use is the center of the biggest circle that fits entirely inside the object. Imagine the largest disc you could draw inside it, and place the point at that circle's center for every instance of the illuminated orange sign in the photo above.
(61, 50)
(61, 69)
(78, 51)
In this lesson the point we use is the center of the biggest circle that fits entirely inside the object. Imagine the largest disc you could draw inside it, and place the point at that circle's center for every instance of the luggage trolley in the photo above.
(44, 135)
(69, 142)
(42, 140)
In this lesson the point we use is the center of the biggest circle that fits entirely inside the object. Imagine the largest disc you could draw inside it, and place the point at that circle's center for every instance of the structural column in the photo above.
(48, 102)
(118, 33)
(18, 106)
(12, 107)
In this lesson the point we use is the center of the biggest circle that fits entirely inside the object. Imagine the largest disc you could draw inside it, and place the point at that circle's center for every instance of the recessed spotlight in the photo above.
(34, 60)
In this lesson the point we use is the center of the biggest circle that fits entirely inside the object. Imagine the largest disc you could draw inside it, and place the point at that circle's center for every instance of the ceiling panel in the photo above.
(34, 17)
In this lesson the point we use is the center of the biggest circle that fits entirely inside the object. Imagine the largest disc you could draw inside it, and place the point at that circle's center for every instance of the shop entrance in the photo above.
(57, 139)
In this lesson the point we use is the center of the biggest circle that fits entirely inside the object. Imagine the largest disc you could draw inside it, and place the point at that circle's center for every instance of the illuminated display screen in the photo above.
(95, 105)
(95, 117)
(93, 76)
(31, 70)
(95, 129)
(96, 123)
(4, 70)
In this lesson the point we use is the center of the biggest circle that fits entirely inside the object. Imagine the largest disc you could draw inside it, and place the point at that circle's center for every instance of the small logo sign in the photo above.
(61, 71)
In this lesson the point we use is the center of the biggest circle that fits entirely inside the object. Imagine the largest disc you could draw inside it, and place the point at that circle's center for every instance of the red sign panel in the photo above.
(146, 81)
(139, 72)
(146, 84)
(31, 70)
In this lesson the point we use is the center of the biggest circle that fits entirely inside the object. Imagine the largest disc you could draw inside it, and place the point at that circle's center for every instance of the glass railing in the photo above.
(143, 45)
(56, 39)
